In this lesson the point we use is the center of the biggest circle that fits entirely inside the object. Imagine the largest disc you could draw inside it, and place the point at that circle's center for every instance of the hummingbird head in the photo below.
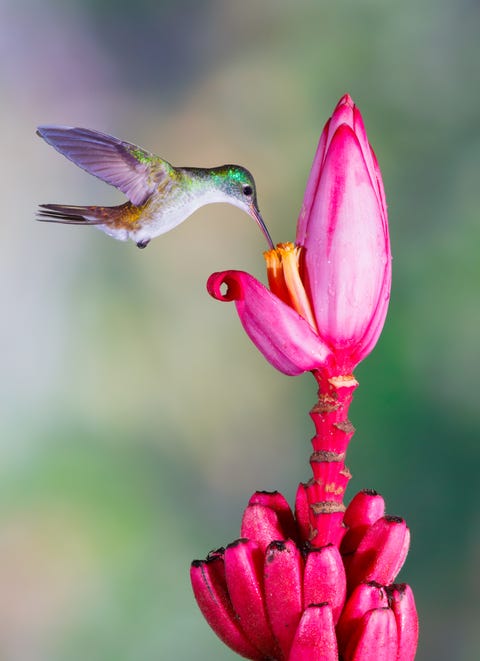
(238, 184)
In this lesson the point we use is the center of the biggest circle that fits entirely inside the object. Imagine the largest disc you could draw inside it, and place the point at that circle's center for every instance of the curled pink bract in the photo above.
(286, 340)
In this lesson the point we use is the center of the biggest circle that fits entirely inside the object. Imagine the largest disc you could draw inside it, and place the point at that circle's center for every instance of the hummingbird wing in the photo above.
(129, 168)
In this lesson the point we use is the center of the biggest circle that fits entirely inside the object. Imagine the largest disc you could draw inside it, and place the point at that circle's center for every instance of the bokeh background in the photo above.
(136, 417)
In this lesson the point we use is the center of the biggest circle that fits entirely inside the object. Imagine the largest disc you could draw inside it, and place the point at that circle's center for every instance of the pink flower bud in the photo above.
(329, 292)
(343, 229)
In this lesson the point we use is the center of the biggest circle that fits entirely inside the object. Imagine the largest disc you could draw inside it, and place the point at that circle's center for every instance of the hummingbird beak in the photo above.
(255, 213)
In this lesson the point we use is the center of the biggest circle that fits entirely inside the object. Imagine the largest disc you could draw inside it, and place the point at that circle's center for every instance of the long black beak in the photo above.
(263, 227)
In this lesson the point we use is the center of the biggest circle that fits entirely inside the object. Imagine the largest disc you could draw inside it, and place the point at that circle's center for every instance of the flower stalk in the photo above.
(318, 583)
(319, 504)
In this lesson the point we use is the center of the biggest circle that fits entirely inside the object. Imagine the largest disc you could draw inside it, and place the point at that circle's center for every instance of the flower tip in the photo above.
(346, 100)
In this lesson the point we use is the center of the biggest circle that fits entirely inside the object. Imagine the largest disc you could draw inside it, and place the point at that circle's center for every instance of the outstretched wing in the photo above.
(132, 170)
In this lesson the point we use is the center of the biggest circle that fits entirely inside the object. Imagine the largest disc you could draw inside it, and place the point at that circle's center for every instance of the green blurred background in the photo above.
(136, 417)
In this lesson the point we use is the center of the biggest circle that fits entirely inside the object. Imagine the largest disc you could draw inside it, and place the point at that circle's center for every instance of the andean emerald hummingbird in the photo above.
(160, 195)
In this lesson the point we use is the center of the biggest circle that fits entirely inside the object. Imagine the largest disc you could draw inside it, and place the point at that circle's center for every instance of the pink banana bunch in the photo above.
(271, 595)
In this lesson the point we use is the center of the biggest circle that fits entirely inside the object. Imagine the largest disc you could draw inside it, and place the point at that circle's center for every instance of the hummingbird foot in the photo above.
(143, 244)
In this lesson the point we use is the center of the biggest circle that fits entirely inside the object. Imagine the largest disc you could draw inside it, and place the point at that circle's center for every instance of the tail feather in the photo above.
(72, 215)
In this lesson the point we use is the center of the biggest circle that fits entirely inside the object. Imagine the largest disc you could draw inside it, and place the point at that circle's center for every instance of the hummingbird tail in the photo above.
(74, 215)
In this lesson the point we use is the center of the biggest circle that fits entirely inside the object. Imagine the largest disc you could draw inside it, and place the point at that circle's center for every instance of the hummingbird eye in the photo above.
(247, 190)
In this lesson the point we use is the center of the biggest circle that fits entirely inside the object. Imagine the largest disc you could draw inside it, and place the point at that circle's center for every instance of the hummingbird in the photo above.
(160, 195)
